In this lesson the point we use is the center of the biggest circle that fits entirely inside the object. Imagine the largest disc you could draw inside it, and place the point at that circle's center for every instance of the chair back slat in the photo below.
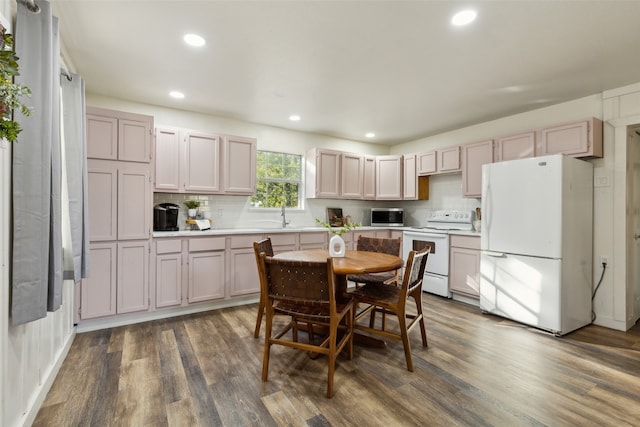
(414, 272)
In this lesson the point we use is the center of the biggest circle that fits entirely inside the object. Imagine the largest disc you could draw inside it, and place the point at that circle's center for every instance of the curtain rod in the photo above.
(30, 4)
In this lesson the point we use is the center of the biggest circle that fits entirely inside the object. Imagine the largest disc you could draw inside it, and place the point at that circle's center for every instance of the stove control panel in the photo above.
(451, 216)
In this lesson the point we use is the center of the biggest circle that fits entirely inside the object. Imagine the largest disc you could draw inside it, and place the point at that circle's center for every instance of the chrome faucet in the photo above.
(283, 214)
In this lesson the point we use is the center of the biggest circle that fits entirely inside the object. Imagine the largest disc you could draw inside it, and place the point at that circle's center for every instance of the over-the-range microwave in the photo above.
(387, 217)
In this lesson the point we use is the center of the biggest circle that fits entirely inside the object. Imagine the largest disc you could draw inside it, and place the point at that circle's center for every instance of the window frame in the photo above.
(301, 183)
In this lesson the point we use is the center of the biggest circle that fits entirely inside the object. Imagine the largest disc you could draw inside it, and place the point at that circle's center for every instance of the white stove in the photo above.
(436, 235)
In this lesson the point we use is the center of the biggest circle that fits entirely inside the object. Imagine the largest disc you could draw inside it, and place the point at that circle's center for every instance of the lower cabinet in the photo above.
(119, 281)
(206, 262)
(464, 265)
(243, 271)
(169, 272)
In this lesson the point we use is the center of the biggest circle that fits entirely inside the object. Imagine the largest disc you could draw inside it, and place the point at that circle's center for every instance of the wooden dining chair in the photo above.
(377, 244)
(306, 290)
(258, 247)
(393, 300)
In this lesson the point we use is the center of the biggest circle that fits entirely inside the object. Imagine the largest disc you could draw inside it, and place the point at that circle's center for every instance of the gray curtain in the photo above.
(75, 161)
(37, 241)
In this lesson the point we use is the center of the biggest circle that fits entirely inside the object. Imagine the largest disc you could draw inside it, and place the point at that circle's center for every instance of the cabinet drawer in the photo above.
(283, 239)
(307, 238)
(470, 242)
(207, 244)
(168, 246)
(238, 242)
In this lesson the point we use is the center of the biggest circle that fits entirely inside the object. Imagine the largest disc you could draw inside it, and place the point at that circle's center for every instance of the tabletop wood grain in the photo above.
(354, 262)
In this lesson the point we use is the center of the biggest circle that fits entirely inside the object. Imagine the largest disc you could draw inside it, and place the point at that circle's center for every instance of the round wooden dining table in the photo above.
(354, 262)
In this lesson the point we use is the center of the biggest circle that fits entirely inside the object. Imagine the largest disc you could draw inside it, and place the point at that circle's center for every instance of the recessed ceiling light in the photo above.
(176, 94)
(369, 134)
(194, 40)
(464, 17)
(294, 118)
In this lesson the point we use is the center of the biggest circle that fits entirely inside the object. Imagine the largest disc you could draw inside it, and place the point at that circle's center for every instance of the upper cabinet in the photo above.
(117, 135)
(581, 138)
(239, 165)
(193, 162)
(439, 161)
(389, 177)
(323, 173)
(369, 178)
(352, 182)
(518, 146)
(475, 155)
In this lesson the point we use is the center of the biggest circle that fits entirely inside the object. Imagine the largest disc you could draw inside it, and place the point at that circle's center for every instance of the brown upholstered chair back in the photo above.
(379, 244)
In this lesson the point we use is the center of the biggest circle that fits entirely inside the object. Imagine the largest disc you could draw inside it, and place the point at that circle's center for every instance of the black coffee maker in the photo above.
(165, 217)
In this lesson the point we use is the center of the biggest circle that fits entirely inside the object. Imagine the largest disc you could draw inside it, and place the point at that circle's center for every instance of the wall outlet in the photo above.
(604, 259)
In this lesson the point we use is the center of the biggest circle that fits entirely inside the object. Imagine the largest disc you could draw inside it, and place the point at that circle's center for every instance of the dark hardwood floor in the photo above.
(479, 370)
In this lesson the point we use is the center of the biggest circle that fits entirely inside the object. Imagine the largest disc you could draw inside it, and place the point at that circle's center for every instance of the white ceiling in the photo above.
(396, 68)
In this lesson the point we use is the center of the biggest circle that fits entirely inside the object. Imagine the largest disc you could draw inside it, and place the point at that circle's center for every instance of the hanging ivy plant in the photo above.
(11, 94)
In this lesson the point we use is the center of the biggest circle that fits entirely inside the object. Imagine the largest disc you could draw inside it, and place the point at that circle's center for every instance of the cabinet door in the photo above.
(389, 178)
(369, 178)
(410, 178)
(168, 279)
(133, 276)
(167, 160)
(475, 155)
(328, 174)
(102, 182)
(98, 292)
(313, 240)
(244, 280)
(134, 141)
(519, 146)
(102, 137)
(239, 165)
(427, 163)
(352, 175)
(449, 159)
(206, 276)
(464, 274)
(202, 165)
(134, 202)
(578, 139)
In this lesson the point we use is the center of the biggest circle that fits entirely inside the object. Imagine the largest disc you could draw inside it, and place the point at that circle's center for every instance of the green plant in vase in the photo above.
(11, 93)
(192, 206)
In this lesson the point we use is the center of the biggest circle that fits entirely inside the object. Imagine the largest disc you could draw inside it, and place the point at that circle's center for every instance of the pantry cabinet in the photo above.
(582, 138)
(389, 177)
(475, 155)
(118, 135)
(520, 146)
(464, 265)
(195, 162)
(119, 280)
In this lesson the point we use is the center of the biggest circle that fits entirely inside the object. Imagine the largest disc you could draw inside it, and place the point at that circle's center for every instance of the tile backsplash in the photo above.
(236, 211)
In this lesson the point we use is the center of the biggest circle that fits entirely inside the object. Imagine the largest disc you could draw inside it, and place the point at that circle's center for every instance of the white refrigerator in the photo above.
(537, 242)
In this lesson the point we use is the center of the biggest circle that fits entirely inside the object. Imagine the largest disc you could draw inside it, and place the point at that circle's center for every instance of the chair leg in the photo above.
(423, 330)
(402, 320)
(267, 343)
(333, 335)
(261, 305)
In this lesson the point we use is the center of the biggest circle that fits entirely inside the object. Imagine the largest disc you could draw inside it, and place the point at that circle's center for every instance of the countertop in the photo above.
(231, 231)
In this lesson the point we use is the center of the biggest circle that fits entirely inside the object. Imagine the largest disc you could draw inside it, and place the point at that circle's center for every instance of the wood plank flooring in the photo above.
(479, 370)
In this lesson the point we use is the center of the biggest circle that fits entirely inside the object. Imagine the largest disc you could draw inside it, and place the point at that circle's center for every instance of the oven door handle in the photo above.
(495, 254)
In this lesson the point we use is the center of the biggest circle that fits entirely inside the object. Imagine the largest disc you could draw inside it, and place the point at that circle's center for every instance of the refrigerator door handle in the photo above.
(495, 254)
